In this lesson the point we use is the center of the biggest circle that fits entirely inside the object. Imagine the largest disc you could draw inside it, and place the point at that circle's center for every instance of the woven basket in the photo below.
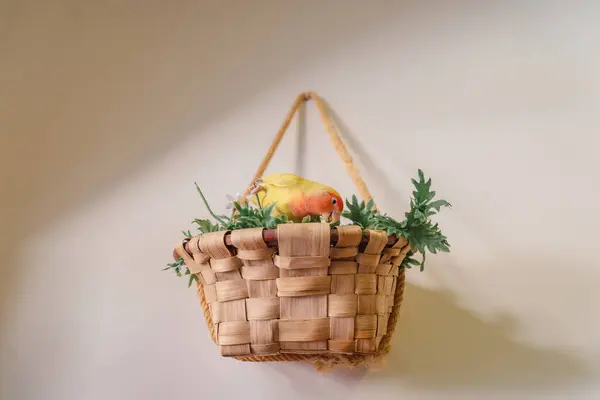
(303, 291)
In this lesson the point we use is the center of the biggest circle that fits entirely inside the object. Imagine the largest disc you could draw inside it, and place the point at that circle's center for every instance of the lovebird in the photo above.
(298, 197)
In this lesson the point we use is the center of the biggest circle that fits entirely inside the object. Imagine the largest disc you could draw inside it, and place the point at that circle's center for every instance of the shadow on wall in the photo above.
(440, 345)
(377, 175)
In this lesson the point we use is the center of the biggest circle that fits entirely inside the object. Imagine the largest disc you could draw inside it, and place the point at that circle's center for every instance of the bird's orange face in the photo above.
(329, 205)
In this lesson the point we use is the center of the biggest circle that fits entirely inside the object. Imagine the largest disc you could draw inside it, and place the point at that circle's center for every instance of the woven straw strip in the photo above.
(342, 305)
(236, 332)
(343, 268)
(234, 310)
(343, 284)
(258, 254)
(259, 273)
(225, 264)
(197, 254)
(377, 242)
(343, 302)
(180, 250)
(231, 290)
(303, 286)
(400, 243)
(367, 304)
(301, 262)
(213, 244)
(348, 236)
(344, 253)
(262, 306)
(368, 260)
(365, 284)
(303, 292)
(304, 330)
(384, 269)
(226, 296)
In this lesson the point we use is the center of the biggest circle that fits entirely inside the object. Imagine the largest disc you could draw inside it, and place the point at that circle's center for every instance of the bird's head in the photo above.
(327, 203)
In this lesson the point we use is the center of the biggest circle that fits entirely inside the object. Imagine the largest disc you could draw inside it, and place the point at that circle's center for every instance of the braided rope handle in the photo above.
(333, 136)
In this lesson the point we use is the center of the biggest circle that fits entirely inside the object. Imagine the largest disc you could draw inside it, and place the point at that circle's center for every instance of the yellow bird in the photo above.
(298, 197)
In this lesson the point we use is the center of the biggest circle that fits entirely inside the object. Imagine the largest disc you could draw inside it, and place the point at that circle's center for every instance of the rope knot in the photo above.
(307, 96)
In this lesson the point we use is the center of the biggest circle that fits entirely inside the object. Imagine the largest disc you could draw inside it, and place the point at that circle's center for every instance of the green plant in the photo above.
(178, 266)
(243, 216)
(359, 213)
(205, 226)
(422, 234)
(248, 216)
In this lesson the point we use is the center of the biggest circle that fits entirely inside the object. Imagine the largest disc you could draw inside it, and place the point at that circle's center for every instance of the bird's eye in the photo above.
(334, 201)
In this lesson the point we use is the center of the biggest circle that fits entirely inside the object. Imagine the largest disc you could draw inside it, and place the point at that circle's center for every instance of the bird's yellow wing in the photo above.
(279, 188)
(282, 181)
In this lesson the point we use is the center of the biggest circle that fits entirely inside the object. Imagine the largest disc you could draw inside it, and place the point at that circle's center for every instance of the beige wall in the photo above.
(109, 111)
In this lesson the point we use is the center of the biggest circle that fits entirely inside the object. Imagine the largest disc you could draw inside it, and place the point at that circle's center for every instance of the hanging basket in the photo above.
(302, 291)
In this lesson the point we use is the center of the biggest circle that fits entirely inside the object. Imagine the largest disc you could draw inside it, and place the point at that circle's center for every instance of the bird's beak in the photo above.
(335, 216)
(331, 216)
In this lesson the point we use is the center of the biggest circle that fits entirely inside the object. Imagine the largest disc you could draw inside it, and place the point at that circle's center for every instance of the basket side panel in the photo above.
(372, 311)
(228, 308)
(259, 274)
(303, 287)
(343, 301)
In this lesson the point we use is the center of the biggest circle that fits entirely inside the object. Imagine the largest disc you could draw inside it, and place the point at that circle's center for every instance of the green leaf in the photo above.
(210, 211)
(193, 278)
(430, 196)
(418, 214)
(175, 265)
(306, 219)
(206, 226)
(268, 209)
(438, 204)
(422, 234)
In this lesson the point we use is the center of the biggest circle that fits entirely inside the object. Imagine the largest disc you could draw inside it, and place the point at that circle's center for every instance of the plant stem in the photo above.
(208, 207)
(258, 201)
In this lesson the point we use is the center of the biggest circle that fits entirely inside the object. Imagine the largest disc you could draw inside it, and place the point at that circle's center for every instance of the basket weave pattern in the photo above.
(306, 298)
